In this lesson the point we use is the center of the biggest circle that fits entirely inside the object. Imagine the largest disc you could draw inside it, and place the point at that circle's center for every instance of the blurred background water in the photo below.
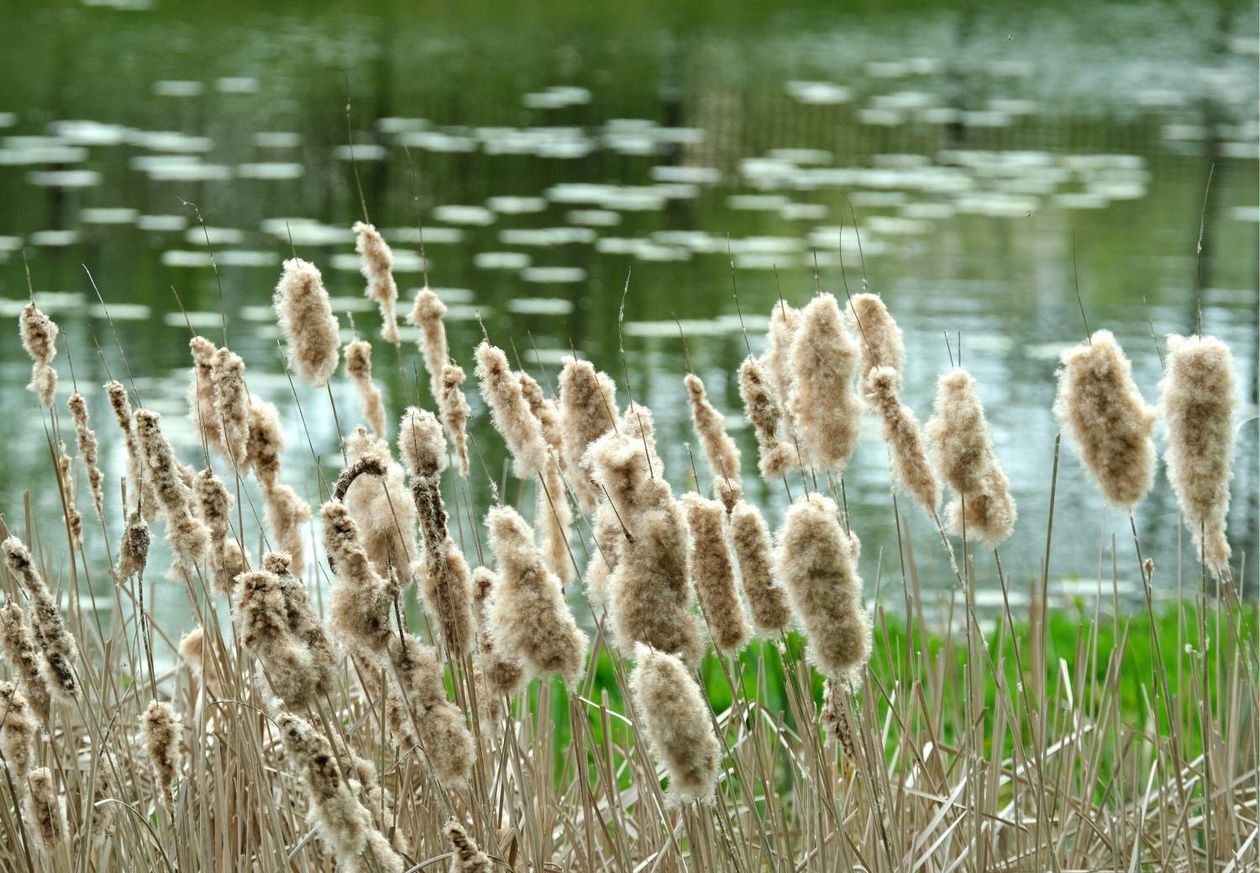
(551, 150)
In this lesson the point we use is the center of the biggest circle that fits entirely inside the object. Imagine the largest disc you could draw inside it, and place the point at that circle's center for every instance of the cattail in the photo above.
(639, 426)
(825, 406)
(382, 508)
(502, 674)
(1198, 400)
(203, 408)
(39, 338)
(905, 440)
(162, 727)
(359, 366)
(468, 856)
(775, 456)
(510, 411)
(714, 574)
(835, 715)
(964, 458)
(55, 642)
(44, 815)
(777, 360)
(817, 565)
(24, 659)
(676, 721)
(377, 267)
(719, 449)
(750, 537)
(192, 649)
(214, 506)
(360, 608)
(303, 621)
(427, 314)
(232, 404)
(1107, 418)
(455, 412)
(588, 410)
(443, 735)
(553, 512)
(543, 408)
(140, 485)
(18, 730)
(262, 616)
(649, 592)
(188, 536)
(89, 448)
(420, 442)
(287, 513)
(343, 822)
(879, 338)
(608, 538)
(307, 322)
(74, 520)
(266, 441)
(529, 619)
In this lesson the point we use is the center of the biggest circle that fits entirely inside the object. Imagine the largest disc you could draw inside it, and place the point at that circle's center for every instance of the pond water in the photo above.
(975, 164)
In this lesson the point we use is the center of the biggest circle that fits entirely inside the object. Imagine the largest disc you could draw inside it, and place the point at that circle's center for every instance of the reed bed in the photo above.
(407, 681)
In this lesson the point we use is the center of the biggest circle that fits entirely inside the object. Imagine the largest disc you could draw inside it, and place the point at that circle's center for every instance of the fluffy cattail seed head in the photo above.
(878, 337)
(39, 338)
(670, 707)
(44, 815)
(816, 562)
(910, 463)
(750, 537)
(231, 403)
(502, 673)
(763, 410)
(420, 442)
(307, 322)
(427, 314)
(720, 450)
(56, 644)
(360, 608)
(824, 403)
(18, 729)
(588, 410)
(359, 366)
(1198, 399)
(203, 409)
(377, 267)
(468, 856)
(89, 448)
(20, 650)
(510, 411)
(1107, 419)
(444, 736)
(161, 726)
(188, 536)
(714, 574)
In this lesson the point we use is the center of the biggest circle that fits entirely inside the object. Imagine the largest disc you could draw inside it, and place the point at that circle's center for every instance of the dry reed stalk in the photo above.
(720, 450)
(89, 448)
(910, 463)
(824, 403)
(750, 537)
(378, 269)
(39, 338)
(670, 708)
(359, 367)
(529, 619)
(588, 410)
(817, 562)
(714, 574)
(1109, 423)
(1198, 398)
(306, 319)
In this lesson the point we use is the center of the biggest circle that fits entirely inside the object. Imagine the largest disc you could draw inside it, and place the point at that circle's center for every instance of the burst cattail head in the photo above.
(89, 447)
(307, 322)
(824, 404)
(55, 642)
(23, 656)
(382, 507)
(377, 267)
(262, 615)
(214, 503)
(510, 411)
(287, 515)
(543, 407)
(427, 314)
(720, 450)
(714, 574)
(639, 426)
(468, 856)
(444, 737)
(619, 464)
(670, 707)
(775, 456)
(18, 729)
(455, 412)
(266, 440)
(529, 619)
(588, 410)
(188, 536)
(502, 674)
(905, 441)
(777, 360)
(162, 726)
(74, 520)
(816, 562)
(44, 815)
(231, 403)
(359, 366)
(609, 536)
(750, 537)
(360, 606)
(39, 338)
(203, 410)
(192, 649)
(343, 822)
(303, 622)
(1108, 420)
(1198, 398)
(878, 337)
(989, 512)
(140, 486)
(420, 442)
